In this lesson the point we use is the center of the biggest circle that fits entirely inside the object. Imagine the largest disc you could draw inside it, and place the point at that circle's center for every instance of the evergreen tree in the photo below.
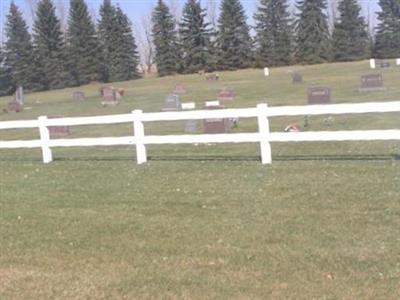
(49, 47)
(313, 43)
(165, 40)
(234, 41)
(5, 78)
(82, 45)
(387, 38)
(274, 34)
(124, 58)
(106, 27)
(18, 50)
(350, 37)
(195, 38)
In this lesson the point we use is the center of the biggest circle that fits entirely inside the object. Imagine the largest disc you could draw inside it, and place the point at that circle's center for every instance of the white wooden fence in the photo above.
(262, 112)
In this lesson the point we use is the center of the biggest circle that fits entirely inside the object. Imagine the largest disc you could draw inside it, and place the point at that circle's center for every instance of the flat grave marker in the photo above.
(172, 103)
(371, 82)
(319, 95)
(226, 95)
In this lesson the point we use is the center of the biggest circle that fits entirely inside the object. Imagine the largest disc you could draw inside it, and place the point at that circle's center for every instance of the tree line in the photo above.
(107, 52)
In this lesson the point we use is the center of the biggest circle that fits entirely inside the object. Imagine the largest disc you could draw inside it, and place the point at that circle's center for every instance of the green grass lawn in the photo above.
(205, 221)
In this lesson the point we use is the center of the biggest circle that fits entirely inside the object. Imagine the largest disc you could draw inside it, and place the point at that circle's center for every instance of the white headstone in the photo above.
(188, 105)
(398, 61)
(266, 72)
(212, 103)
(19, 95)
(372, 63)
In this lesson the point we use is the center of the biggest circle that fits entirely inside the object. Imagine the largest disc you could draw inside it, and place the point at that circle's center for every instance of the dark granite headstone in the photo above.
(180, 89)
(216, 125)
(371, 82)
(384, 64)
(319, 95)
(109, 97)
(297, 78)
(13, 106)
(172, 103)
(79, 96)
(226, 94)
(58, 131)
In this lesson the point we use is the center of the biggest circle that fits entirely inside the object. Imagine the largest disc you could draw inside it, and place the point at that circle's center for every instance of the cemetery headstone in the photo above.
(172, 103)
(212, 77)
(215, 125)
(190, 125)
(297, 78)
(180, 89)
(372, 63)
(226, 94)
(319, 95)
(79, 96)
(398, 61)
(19, 95)
(384, 64)
(13, 106)
(266, 72)
(58, 131)
(371, 82)
(109, 97)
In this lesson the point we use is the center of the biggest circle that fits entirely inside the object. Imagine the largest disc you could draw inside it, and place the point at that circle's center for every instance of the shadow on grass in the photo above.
(354, 157)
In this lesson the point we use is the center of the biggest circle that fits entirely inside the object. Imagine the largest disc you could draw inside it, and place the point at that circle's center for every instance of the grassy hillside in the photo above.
(205, 221)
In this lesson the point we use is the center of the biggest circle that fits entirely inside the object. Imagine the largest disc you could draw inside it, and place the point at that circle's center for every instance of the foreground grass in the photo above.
(205, 222)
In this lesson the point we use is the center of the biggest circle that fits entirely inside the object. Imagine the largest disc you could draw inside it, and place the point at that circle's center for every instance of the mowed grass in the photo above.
(205, 221)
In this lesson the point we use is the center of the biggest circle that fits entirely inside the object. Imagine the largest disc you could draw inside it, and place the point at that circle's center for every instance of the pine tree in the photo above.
(18, 50)
(350, 37)
(5, 78)
(49, 47)
(125, 57)
(165, 40)
(274, 33)
(313, 43)
(234, 41)
(106, 27)
(195, 38)
(387, 38)
(82, 45)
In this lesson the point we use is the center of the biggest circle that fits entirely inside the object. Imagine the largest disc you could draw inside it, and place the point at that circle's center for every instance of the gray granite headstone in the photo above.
(297, 78)
(319, 95)
(371, 82)
(384, 64)
(172, 103)
(19, 95)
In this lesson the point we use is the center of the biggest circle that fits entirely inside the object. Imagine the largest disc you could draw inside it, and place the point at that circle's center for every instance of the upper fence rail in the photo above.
(261, 112)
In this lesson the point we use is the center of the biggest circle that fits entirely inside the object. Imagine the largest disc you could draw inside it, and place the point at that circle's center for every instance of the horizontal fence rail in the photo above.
(262, 112)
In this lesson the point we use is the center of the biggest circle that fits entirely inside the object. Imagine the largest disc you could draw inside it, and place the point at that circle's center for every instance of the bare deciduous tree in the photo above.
(62, 15)
(212, 15)
(145, 44)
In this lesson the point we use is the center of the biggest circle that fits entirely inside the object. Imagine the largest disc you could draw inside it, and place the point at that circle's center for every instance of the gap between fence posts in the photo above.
(45, 140)
(263, 129)
(138, 127)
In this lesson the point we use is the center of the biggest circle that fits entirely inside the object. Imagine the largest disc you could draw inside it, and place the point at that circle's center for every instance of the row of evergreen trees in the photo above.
(49, 59)
(106, 51)
(279, 39)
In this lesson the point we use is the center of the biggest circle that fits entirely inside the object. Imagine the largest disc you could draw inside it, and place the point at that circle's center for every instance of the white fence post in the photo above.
(45, 140)
(138, 127)
(263, 128)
